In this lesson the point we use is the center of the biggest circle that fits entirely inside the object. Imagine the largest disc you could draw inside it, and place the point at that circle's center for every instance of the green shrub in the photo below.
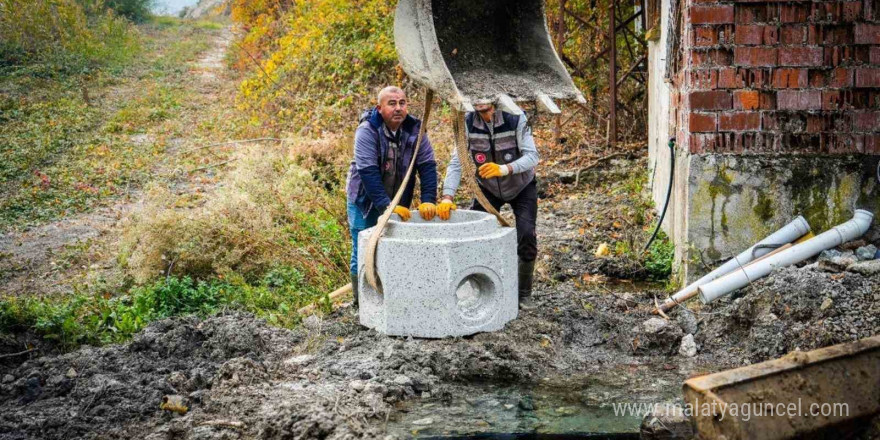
(97, 318)
(134, 10)
(318, 60)
(658, 262)
(62, 37)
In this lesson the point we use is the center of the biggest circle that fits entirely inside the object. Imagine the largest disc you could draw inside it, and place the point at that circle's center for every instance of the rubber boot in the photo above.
(526, 276)
(354, 291)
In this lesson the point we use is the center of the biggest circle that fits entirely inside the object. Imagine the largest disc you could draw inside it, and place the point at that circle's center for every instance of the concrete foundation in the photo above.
(734, 201)
(441, 278)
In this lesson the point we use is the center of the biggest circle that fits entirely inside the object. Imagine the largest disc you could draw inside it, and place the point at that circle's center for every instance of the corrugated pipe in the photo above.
(788, 233)
(836, 236)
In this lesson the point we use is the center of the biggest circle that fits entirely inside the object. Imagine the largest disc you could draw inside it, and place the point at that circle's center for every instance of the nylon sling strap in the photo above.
(370, 258)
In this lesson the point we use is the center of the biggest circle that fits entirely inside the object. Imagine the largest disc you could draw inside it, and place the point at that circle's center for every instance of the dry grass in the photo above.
(270, 211)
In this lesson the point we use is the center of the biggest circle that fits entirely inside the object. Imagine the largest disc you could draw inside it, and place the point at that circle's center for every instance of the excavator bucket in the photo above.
(473, 51)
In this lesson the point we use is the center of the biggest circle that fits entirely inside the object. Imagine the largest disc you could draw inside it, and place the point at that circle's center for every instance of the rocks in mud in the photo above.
(526, 403)
(298, 361)
(866, 268)
(31, 389)
(376, 388)
(666, 422)
(240, 371)
(835, 261)
(655, 325)
(357, 385)
(125, 383)
(688, 347)
(8, 378)
(687, 320)
(655, 336)
(863, 261)
(297, 421)
(312, 322)
(402, 380)
(793, 309)
(866, 252)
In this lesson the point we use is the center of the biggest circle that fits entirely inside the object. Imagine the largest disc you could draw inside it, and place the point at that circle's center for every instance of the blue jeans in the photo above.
(356, 224)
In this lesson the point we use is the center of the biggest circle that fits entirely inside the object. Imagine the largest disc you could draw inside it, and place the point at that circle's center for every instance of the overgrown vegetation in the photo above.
(585, 45)
(270, 212)
(71, 142)
(98, 317)
(135, 10)
(63, 37)
(312, 63)
(658, 261)
(267, 242)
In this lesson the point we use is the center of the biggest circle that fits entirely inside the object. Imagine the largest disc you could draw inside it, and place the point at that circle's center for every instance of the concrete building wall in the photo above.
(776, 108)
(661, 127)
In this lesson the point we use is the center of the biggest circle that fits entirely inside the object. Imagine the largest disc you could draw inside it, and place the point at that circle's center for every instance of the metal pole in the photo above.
(560, 42)
(612, 75)
(560, 27)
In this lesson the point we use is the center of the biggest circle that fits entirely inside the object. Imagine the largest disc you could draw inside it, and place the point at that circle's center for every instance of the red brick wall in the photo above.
(780, 77)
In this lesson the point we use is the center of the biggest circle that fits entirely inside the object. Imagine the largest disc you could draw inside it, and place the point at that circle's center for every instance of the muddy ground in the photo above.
(591, 334)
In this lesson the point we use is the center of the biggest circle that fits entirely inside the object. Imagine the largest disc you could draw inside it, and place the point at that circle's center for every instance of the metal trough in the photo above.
(821, 393)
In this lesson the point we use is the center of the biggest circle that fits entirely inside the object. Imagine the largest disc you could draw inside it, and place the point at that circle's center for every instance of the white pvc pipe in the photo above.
(835, 236)
(788, 233)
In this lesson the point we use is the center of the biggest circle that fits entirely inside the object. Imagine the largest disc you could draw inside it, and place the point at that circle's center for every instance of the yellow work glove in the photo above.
(445, 208)
(402, 212)
(427, 211)
(492, 169)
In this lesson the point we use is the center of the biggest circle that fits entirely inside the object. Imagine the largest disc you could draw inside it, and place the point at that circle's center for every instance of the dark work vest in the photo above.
(500, 146)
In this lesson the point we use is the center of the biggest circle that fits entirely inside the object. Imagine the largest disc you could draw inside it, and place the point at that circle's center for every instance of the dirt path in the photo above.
(52, 257)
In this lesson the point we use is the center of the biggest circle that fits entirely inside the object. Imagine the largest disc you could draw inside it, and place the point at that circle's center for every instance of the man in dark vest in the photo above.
(503, 149)
(383, 148)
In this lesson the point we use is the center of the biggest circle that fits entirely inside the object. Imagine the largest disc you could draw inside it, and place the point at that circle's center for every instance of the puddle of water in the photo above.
(492, 412)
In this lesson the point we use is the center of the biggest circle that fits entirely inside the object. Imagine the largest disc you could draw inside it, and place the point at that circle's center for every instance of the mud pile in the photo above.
(792, 309)
(116, 390)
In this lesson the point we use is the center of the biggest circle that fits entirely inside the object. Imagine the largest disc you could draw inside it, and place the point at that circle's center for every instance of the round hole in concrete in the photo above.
(473, 295)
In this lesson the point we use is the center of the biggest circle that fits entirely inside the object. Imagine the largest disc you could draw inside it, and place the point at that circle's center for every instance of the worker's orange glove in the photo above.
(427, 211)
(402, 212)
(492, 169)
(445, 208)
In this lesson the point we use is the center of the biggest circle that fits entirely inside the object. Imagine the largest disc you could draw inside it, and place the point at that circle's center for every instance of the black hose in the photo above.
(668, 192)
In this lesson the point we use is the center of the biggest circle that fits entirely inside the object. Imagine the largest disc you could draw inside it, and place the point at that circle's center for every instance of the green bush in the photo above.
(62, 37)
(134, 10)
(658, 262)
(312, 63)
(97, 318)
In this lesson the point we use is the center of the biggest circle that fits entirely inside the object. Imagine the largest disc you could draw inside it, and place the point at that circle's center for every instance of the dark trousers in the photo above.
(525, 210)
